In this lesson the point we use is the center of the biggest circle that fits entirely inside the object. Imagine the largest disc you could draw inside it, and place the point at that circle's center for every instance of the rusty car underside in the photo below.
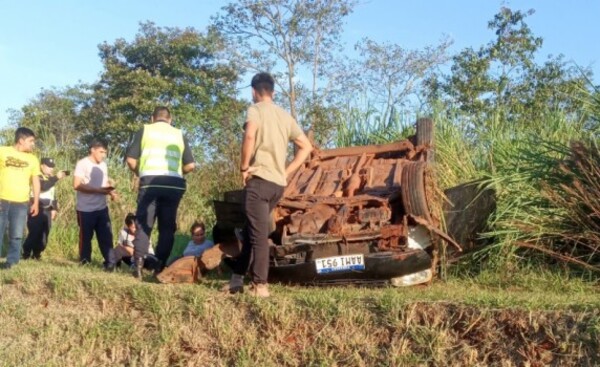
(370, 200)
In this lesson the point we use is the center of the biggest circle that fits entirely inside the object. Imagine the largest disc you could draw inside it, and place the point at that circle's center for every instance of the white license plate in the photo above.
(340, 263)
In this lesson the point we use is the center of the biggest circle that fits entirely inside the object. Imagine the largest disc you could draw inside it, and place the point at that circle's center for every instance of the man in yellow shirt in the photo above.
(19, 175)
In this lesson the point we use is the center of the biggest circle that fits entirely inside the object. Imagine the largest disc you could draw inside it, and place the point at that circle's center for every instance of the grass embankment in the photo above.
(54, 313)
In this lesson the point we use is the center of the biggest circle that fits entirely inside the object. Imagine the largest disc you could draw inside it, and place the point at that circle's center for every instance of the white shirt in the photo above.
(95, 175)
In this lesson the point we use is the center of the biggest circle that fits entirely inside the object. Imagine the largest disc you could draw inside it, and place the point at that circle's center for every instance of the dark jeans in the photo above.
(99, 222)
(156, 203)
(38, 229)
(15, 215)
(260, 198)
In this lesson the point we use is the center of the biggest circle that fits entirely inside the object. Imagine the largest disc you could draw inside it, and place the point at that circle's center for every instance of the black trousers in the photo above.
(260, 198)
(94, 222)
(38, 229)
(160, 204)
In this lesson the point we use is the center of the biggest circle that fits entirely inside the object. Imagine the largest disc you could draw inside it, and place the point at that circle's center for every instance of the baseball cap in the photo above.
(48, 162)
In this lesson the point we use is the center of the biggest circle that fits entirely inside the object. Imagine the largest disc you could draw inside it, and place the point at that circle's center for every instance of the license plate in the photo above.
(340, 263)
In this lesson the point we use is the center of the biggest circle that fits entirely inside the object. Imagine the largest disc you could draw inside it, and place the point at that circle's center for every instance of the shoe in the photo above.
(260, 290)
(235, 285)
(7, 266)
(138, 267)
(109, 268)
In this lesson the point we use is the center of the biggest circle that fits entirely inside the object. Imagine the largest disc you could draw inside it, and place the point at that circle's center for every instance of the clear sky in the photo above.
(53, 43)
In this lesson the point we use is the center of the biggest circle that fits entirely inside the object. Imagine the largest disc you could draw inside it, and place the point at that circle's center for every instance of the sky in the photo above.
(46, 44)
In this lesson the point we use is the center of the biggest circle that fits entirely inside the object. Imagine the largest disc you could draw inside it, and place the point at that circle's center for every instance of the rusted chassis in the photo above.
(366, 201)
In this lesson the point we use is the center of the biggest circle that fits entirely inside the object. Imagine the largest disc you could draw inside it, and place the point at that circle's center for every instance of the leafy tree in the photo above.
(289, 38)
(167, 66)
(390, 74)
(502, 82)
(54, 115)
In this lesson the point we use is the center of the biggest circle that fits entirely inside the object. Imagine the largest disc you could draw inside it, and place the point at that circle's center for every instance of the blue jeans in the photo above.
(15, 214)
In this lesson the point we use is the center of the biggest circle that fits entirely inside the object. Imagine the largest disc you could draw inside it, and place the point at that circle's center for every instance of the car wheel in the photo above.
(414, 197)
(425, 133)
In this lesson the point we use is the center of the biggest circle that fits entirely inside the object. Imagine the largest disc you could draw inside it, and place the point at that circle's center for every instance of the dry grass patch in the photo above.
(65, 315)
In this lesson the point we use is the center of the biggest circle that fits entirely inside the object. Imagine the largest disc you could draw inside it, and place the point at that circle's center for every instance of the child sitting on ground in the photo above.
(124, 250)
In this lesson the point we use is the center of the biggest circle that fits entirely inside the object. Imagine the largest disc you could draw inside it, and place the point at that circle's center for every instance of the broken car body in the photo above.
(353, 215)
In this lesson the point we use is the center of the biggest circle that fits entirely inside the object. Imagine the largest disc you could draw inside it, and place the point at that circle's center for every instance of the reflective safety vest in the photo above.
(162, 149)
(48, 194)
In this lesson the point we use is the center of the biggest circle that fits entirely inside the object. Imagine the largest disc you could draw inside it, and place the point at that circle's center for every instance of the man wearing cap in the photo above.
(267, 131)
(19, 173)
(38, 226)
(160, 155)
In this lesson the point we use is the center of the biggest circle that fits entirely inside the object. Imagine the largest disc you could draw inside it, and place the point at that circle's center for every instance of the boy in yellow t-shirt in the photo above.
(19, 175)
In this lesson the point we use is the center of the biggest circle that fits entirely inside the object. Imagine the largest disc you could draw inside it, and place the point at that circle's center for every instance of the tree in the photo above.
(391, 74)
(288, 38)
(54, 115)
(163, 66)
(502, 81)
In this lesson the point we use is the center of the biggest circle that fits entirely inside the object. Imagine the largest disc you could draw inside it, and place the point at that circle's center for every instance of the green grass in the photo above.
(56, 313)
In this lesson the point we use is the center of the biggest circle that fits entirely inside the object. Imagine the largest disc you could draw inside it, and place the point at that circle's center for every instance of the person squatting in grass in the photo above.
(38, 226)
(90, 180)
(160, 155)
(123, 251)
(267, 131)
(19, 173)
(198, 244)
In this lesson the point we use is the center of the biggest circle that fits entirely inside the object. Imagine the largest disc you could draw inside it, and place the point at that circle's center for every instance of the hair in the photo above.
(98, 143)
(23, 133)
(161, 113)
(263, 83)
(196, 225)
(129, 219)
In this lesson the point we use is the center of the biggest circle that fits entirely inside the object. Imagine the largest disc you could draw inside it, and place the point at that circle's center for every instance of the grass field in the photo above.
(56, 313)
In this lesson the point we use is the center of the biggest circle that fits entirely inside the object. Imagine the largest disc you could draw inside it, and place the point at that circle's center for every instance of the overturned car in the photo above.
(362, 214)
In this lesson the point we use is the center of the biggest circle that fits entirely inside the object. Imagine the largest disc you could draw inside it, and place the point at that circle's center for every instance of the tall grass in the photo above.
(518, 159)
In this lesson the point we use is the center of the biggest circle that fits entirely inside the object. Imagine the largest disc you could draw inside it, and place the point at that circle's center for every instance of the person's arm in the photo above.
(78, 185)
(132, 164)
(47, 183)
(134, 151)
(304, 148)
(248, 144)
(35, 185)
(187, 158)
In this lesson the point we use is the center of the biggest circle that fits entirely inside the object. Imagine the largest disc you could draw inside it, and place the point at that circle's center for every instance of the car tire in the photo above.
(425, 133)
(413, 189)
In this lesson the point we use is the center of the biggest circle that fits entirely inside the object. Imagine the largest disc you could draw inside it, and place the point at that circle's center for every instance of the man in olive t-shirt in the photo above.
(267, 132)
(19, 173)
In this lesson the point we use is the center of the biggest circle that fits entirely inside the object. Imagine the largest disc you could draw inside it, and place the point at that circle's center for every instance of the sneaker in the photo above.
(260, 290)
(7, 266)
(235, 285)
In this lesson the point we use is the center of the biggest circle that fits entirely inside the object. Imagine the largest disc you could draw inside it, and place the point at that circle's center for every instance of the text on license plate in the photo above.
(340, 263)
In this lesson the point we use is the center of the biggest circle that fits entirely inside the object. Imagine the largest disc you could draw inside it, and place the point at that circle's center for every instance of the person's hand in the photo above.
(60, 174)
(106, 190)
(247, 175)
(114, 196)
(34, 210)
(53, 214)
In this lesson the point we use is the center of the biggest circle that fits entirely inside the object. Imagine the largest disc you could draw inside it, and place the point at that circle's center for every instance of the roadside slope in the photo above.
(58, 314)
